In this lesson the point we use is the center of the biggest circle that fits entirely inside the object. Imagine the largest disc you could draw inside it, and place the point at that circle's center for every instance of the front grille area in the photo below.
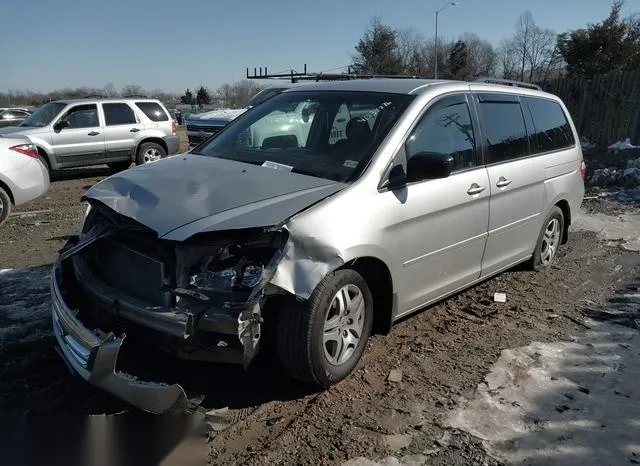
(197, 134)
(211, 130)
(129, 271)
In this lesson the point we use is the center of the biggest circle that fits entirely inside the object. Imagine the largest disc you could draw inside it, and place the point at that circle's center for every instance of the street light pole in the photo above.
(436, 40)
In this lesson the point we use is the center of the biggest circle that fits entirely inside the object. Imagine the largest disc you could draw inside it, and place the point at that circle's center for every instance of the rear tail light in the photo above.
(173, 128)
(26, 149)
(583, 170)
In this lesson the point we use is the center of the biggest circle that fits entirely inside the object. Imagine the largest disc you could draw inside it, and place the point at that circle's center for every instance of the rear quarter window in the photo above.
(153, 111)
(551, 129)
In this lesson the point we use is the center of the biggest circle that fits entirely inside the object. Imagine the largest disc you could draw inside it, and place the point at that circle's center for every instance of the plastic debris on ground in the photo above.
(622, 145)
(500, 297)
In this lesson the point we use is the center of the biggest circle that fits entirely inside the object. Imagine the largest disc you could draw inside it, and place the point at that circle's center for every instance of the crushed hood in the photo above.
(184, 195)
(222, 114)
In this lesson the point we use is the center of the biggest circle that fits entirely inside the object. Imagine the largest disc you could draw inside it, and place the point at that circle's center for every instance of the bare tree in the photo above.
(482, 58)
(523, 39)
(110, 90)
(132, 89)
(508, 59)
(411, 45)
(225, 94)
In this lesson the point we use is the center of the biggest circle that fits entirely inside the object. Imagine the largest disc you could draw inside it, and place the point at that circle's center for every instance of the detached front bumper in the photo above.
(93, 357)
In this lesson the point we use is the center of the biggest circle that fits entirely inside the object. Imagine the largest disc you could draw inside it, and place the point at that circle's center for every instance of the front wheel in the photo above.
(150, 152)
(548, 240)
(321, 340)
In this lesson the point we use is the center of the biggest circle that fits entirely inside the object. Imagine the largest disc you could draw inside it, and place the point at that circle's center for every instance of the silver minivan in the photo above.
(81, 132)
(324, 214)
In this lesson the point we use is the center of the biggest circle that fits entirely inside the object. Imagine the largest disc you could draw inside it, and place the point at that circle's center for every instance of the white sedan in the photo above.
(23, 173)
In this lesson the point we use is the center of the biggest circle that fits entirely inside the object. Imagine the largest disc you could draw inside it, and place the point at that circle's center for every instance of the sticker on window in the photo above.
(277, 166)
(350, 164)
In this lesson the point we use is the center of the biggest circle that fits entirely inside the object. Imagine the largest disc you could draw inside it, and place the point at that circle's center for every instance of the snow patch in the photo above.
(565, 402)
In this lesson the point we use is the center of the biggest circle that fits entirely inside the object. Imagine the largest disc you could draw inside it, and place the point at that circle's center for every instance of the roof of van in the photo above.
(401, 85)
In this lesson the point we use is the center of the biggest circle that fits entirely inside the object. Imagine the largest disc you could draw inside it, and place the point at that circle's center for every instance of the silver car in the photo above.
(73, 133)
(316, 218)
(23, 175)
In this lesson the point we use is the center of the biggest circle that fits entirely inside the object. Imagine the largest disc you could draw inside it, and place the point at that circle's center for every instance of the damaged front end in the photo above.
(199, 299)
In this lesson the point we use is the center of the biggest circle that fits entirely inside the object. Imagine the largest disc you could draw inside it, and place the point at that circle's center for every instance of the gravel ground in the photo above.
(259, 416)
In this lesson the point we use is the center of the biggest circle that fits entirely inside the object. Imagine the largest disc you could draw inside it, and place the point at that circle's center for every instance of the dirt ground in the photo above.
(259, 416)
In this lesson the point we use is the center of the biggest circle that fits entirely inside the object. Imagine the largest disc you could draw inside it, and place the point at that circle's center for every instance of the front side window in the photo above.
(118, 114)
(551, 127)
(505, 128)
(329, 135)
(44, 115)
(82, 116)
(445, 129)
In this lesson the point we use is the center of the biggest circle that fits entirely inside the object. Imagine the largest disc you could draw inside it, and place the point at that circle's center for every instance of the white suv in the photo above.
(72, 133)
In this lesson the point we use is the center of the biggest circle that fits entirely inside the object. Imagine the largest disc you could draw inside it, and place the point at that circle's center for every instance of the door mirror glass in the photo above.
(429, 166)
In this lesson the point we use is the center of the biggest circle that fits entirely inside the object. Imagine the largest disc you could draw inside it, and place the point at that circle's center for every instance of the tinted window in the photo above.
(445, 129)
(153, 111)
(551, 128)
(82, 116)
(505, 129)
(118, 114)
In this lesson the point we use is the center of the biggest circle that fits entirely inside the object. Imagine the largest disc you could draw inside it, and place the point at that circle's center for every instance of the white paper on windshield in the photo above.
(277, 166)
(350, 164)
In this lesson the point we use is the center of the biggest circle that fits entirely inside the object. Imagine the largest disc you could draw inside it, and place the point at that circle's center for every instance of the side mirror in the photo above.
(429, 166)
(61, 124)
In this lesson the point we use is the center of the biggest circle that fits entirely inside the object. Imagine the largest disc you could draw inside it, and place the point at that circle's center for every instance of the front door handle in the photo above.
(503, 182)
(134, 130)
(475, 189)
(93, 133)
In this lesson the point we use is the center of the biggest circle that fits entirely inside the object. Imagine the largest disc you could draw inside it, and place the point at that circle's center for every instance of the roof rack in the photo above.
(309, 76)
(94, 96)
(506, 82)
(135, 96)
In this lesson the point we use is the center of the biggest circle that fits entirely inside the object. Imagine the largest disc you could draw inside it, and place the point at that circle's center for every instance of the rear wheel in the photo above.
(321, 340)
(119, 166)
(5, 206)
(548, 240)
(149, 152)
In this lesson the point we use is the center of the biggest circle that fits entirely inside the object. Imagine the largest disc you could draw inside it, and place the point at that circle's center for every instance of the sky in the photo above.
(171, 45)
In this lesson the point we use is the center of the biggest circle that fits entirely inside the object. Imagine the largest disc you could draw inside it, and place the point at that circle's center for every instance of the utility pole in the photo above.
(435, 75)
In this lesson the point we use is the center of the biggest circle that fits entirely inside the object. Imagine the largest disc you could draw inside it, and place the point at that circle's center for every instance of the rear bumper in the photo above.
(93, 357)
(173, 144)
(28, 182)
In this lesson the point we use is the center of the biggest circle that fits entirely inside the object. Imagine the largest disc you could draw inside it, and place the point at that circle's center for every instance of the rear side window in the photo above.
(551, 127)
(118, 114)
(153, 111)
(505, 130)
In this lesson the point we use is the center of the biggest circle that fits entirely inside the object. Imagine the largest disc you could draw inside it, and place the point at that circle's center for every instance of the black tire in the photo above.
(119, 166)
(5, 206)
(536, 263)
(146, 147)
(301, 327)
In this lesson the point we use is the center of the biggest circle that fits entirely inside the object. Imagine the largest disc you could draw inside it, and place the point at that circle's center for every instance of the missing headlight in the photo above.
(231, 265)
(210, 279)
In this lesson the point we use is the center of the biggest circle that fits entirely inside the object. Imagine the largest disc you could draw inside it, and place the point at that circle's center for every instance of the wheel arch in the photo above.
(156, 140)
(6, 189)
(380, 282)
(44, 154)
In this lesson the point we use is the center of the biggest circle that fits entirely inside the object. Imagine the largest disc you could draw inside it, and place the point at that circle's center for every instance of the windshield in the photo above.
(263, 95)
(330, 135)
(44, 115)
